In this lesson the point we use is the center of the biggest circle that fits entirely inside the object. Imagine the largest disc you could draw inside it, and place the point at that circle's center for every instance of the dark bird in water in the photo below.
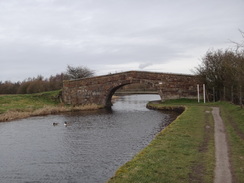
(55, 124)
(65, 123)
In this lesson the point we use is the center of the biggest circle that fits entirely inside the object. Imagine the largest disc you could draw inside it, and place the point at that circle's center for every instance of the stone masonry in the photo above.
(99, 90)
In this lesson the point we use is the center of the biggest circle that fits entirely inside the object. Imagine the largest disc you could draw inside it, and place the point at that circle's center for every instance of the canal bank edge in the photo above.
(181, 152)
(178, 109)
(46, 110)
(20, 106)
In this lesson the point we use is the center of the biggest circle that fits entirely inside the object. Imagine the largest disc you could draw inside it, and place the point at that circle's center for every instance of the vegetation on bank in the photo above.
(184, 151)
(222, 71)
(25, 105)
(233, 117)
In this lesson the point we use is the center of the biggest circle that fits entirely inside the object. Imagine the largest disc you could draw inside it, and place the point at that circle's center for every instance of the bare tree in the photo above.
(223, 73)
(240, 45)
(79, 72)
(56, 82)
(41, 84)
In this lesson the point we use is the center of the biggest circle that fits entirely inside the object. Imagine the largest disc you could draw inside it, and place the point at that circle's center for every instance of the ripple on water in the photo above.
(89, 149)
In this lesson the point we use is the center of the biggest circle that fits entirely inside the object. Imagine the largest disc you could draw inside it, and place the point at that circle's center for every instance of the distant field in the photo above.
(25, 105)
(28, 102)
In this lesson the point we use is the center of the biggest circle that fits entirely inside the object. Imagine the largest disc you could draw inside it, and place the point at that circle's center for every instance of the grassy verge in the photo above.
(182, 152)
(22, 106)
(27, 102)
(233, 117)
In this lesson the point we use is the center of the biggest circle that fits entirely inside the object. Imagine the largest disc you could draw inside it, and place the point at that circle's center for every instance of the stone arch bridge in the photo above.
(99, 90)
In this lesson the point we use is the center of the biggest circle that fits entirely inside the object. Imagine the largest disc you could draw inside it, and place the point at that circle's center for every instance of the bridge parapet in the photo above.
(99, 90)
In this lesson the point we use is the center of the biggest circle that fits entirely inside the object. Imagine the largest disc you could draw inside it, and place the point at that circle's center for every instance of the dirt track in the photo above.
(222, 167)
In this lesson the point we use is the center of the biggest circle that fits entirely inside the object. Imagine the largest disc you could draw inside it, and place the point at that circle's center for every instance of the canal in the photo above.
(89, 149)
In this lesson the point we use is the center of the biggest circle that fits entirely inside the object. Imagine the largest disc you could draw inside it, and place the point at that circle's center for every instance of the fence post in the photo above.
(204, 97)
(198, 96)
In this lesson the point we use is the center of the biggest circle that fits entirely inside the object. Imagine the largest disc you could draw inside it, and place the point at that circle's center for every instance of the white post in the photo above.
(198, 96)
(204, 97)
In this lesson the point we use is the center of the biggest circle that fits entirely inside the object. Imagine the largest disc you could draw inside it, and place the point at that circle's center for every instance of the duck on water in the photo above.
(65, 124)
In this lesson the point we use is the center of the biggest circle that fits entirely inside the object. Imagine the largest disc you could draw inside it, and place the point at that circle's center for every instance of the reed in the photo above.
(46, 110)
(12, 115)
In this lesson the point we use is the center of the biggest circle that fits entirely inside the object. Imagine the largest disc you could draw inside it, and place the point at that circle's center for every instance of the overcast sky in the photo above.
(42, 37)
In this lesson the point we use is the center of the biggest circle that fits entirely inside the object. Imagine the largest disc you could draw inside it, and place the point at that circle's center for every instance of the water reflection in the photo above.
(89, 149)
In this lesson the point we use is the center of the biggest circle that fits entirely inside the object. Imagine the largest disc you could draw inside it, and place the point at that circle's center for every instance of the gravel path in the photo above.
(222, 167)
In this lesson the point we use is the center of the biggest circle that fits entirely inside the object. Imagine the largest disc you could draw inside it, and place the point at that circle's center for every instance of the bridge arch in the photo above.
(99, 90)
(116, 86)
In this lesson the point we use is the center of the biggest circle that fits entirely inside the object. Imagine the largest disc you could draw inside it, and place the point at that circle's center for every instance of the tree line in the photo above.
(41, 84)
(221, 70)
(223, 73)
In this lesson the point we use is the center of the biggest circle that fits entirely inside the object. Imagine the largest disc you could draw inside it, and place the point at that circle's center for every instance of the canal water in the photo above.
(89, 149)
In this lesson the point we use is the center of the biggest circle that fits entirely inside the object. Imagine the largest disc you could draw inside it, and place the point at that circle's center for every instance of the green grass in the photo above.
(14, 107)
(182, 101)
(233, 117)
(182, 152)
(27, 102)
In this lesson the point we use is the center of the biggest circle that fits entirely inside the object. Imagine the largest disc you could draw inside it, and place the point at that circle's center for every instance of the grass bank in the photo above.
(233, 117)
(182, 152)
(26, 105)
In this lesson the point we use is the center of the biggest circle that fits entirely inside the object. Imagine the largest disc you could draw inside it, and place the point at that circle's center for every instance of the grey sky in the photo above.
(42, 37)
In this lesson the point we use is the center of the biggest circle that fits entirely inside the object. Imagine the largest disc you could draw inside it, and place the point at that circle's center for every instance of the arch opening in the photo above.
(138, 87)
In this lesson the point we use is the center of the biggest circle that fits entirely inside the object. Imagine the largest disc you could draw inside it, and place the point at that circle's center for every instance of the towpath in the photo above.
(222, 167)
